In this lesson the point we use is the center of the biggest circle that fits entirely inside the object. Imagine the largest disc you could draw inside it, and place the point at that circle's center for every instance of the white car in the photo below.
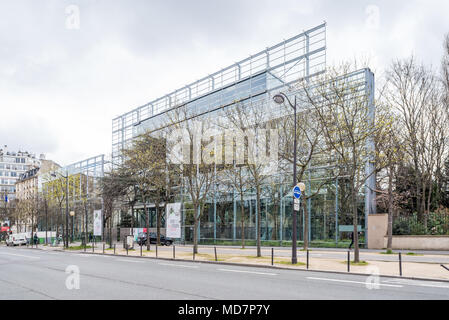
(16, 240)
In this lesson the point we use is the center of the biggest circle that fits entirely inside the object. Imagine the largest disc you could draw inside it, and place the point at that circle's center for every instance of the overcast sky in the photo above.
(62, 83)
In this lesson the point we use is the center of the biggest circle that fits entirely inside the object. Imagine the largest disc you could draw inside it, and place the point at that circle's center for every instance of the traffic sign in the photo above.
(297, 192)
(296, 206)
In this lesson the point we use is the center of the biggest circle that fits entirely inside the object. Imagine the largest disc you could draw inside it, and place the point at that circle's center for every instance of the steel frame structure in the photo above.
(301, 57)
(92, 168)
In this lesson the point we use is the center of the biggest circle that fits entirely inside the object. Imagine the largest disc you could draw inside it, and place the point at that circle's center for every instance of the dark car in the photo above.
(142, 239)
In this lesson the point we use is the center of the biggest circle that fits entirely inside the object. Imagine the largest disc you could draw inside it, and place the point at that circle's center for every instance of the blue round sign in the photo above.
(297, 192)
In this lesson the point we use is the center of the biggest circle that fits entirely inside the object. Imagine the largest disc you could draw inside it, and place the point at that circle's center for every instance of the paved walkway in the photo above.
(423, 265)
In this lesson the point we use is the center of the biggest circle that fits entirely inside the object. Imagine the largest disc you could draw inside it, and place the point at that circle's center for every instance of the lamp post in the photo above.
(66, 177)
(72, 214)
(280, 99)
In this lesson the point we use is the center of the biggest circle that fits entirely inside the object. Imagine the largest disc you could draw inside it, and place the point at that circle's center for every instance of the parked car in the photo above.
(142, 239)
(16, 240)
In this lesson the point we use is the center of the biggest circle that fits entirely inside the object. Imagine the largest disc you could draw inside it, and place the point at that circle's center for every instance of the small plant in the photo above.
(79, 247)
(289, 263)
(413, 254)
(360, 263)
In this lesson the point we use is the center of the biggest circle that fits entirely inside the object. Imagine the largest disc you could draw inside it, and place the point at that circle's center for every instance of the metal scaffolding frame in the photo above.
(92, 169)
(301, 56)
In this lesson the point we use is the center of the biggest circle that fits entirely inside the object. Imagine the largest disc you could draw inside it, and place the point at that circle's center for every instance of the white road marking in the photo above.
(178, 265)
(253, 272)
(350, 281)
(432, 284)
(19, 255)
(126, 260)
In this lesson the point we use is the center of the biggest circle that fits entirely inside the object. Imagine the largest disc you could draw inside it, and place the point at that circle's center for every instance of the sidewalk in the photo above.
(426, 266)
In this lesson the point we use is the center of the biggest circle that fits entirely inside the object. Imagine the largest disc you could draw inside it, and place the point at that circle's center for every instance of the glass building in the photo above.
(251, 81)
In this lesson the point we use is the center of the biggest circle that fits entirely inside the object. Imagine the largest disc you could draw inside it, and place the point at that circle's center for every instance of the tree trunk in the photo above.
(158, 225)
(86, 223)
(429, 197)
(390, 210)
(111, 222)
(195, 229)
(62, 227)
(242, 213)
(46, 222)
(355, 219)
(147, 222)
(259, 252)
(306, 224)
(132, 219)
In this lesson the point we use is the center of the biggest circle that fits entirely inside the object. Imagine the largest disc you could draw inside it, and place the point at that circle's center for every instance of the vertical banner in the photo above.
(173, 220)
(98, 221)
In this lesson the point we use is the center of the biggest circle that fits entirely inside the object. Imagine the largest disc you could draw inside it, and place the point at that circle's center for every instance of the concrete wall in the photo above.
(419, 242)
(377, 237)
(377, 230)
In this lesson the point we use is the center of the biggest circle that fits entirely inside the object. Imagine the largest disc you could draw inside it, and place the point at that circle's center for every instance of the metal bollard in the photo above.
(103, 248)
(193, 252)
(307, 259)
(126, 249)
(349, 261)
(272, 256)
(93, 247)
(215, 249)
(400, 264)
(140, 248)
(114, 249)
(174, 253)
(156, 250)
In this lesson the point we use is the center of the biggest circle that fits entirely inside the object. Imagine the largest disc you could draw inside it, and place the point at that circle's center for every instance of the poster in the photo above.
(173, 220)
(98, 222)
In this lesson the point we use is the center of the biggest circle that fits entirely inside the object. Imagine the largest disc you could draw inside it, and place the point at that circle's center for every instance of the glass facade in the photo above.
(275, 70)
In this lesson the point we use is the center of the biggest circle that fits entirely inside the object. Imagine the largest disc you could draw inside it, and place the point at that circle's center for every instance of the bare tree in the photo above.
(415, 94)
(140, 164)
(113, 187)
(390, 153)
(253, 121)
(311, 149)
(342, 108)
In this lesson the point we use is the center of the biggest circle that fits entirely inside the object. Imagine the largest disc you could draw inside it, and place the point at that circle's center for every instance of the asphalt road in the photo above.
(36, 274)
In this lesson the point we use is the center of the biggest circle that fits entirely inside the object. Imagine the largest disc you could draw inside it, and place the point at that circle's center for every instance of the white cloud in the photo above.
(60, 89)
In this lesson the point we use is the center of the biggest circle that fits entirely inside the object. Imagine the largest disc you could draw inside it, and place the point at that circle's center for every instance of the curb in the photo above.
(247, 265)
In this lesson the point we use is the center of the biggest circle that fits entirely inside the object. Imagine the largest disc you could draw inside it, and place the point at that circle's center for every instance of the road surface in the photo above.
(35, 274)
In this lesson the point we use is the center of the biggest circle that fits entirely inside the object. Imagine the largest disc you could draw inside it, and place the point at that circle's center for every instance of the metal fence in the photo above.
(434, 223)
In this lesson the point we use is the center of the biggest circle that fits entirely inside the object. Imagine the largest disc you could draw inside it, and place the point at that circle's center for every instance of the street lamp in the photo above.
(280, 99)
(66, 241)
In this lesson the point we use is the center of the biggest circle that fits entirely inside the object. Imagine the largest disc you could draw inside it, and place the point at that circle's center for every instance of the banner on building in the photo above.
(98, 222)
(173, 220)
